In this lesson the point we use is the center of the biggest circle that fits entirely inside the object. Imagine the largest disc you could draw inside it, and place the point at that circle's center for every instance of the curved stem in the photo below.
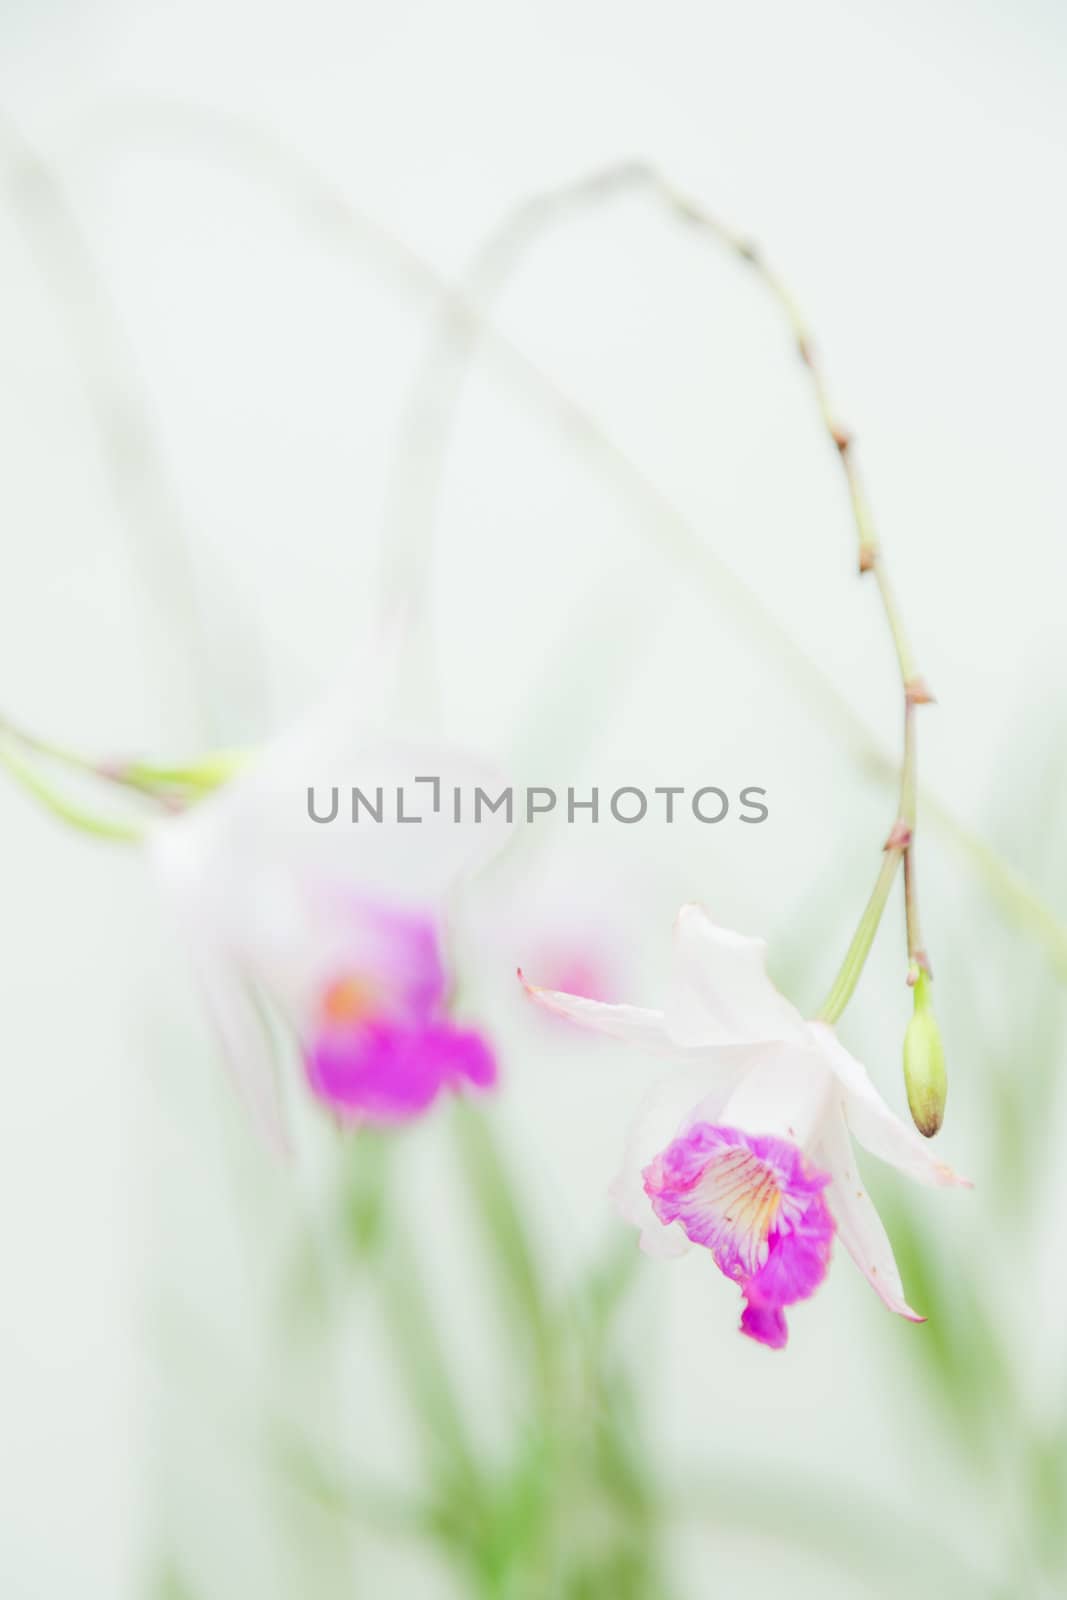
(64, 809)
(494, 261)
(172, 787)
(898, 848)
(848, 976)
(52, 752)
(259, 155)
(917, 959)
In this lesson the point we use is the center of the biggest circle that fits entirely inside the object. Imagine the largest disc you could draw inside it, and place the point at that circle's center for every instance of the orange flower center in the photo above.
(349, 999)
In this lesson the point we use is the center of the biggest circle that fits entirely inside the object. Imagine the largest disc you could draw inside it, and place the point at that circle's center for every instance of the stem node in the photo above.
(919, 963)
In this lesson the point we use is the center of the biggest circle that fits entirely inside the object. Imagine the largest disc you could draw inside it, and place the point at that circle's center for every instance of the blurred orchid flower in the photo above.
(746, 1148)
(335, 929)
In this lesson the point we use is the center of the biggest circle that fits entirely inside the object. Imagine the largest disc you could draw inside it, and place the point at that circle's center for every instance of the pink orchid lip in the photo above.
(392, 1071)
(382, 1048)
(757, 1205)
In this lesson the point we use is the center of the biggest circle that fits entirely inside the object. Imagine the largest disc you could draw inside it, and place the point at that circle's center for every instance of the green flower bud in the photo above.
(924, 1063)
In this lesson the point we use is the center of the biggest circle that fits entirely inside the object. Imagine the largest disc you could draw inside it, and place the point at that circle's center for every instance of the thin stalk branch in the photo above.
(871, 559)
(917, 958)
(494, 262)
(261, 157)
(63, 808)
(172, 787)
(897, 849)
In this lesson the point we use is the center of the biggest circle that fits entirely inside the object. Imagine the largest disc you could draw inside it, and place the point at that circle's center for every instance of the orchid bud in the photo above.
(924, 1063)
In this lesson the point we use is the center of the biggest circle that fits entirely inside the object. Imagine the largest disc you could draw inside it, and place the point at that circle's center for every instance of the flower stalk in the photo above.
(173, 788)
(256, 155)
(848, 976)
(900, 845)
(498, 256)
(60, 806)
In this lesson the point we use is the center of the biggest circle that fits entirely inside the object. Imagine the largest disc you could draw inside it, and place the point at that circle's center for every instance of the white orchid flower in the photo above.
(333, 927)
(745, 1148)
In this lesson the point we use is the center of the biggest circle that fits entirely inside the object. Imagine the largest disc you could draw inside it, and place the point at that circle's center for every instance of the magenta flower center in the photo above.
(757, 1205)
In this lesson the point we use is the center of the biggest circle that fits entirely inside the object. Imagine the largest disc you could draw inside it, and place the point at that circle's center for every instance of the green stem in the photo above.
(898, 848)
(372, 1228)
(64, 809)
(917, 961)
(451, 1462)
(870, 560)
(191, 781)
(513, 1255)
(844, 984)
(44, 747)
(497, 257)
(168, 785)
(905, 660)
(257, 154)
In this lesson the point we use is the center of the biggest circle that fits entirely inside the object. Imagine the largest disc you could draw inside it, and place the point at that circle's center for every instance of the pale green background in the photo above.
(905, 167)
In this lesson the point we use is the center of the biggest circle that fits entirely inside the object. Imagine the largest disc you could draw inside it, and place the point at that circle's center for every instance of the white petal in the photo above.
(259, 829)
(858, 1224)
(876, 1127)
(265, 816)
(261, 818)
(634, 1024)
(247, 1046)
(720, 992)
(688, 1094)
(785, 1093)
(279, 889)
